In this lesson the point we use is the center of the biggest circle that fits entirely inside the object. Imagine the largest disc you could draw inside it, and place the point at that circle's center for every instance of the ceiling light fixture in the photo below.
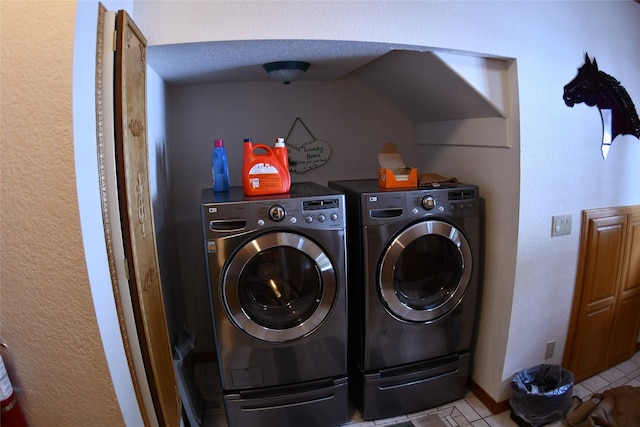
(286, 71)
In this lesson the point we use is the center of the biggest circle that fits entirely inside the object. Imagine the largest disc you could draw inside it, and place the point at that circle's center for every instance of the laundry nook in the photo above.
(319, 213)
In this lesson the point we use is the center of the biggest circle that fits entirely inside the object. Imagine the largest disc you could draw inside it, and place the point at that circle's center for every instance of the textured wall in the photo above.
(46, 311)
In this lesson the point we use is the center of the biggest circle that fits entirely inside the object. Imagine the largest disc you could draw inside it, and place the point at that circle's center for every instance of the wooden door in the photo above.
(626, 323)
(137, 219)
(605, 318)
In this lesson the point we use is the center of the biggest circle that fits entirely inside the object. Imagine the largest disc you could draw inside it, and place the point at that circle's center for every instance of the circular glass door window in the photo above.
(279, 287)
(425, 271)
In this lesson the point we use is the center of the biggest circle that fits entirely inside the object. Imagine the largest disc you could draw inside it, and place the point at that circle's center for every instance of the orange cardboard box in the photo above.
(393, 173)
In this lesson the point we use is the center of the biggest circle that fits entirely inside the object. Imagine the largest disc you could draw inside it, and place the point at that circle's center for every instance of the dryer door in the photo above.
(425, 271)
(279, 286)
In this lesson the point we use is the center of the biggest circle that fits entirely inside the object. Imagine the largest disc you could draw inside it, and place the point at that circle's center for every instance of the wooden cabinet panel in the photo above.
(604, 249)
(605, 318)
(594, 323)
(627, 322)
(632, 281)
(624, 333)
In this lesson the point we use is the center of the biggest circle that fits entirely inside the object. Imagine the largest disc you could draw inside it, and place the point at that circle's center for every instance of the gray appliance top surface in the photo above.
(298, 190)
(367, 186)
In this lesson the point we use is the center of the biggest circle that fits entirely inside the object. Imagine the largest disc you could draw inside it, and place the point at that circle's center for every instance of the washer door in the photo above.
(425, 271)
(279, 286)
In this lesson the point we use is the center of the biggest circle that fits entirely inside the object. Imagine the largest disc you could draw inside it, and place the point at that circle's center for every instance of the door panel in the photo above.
(588, 360)
(425, 271)
(605, 247)
(632, 280)
(605, 317)
(137, 219)
(622, 342)
(279, 287)
(627, 322)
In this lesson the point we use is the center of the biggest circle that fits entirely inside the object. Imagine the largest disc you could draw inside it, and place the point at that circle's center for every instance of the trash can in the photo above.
(540, 395)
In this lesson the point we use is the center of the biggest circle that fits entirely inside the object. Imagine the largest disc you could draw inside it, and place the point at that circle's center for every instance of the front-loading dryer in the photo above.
(414, 263)
(277, 282)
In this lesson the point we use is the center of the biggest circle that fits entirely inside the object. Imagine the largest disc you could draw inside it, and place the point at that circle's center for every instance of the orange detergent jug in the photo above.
(265, 170)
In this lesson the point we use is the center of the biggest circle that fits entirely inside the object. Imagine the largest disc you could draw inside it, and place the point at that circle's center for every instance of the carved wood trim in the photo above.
(136, 216)
(104, 200)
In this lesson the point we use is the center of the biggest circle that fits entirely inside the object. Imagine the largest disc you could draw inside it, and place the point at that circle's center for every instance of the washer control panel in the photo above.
(308, 206)
(317, 213)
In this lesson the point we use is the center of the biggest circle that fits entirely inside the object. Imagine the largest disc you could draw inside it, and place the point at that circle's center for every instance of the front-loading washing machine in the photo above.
(277, 280)
(414, 264)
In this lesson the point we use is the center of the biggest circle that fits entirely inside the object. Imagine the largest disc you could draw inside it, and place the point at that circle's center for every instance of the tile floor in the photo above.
(466, 412)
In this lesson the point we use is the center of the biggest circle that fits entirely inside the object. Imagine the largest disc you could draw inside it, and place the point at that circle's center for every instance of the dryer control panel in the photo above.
(386, 207)
(458, 201)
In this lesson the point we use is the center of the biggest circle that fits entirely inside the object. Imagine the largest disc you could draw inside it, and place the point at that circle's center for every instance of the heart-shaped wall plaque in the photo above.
(313, 153)
(310, 155)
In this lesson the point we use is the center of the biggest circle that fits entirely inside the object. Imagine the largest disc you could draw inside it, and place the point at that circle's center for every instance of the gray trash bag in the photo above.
(540, 395)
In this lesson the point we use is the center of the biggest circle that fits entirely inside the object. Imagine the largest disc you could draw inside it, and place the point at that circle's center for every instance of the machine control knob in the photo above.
(322, 218)
(277, 213)
(308, 219)
(333, 216)
(261, 222)
(428, 202)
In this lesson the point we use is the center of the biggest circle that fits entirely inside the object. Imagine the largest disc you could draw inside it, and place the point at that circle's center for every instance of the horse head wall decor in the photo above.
(596, 88)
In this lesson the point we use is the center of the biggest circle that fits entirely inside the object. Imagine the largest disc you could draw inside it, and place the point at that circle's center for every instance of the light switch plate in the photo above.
(561, 225)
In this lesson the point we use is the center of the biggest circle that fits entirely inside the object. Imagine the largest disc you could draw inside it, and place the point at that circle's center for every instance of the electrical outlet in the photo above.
(548, 352)
(561, 225)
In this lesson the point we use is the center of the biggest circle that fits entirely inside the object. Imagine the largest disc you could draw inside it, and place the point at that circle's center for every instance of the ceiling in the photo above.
(241, 61)
(416, 80)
